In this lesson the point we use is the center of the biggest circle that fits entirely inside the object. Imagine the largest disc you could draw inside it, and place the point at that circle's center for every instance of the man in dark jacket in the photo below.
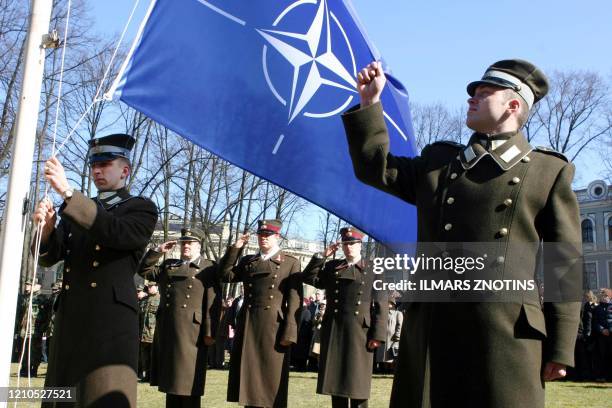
(497, 190)
(100, 240)
(602, 326)
(187, 319)
(267, 324)
(353, 327)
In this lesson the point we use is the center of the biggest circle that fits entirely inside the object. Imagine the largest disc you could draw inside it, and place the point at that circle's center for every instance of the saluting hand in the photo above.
(54, 173)
(45, 215)
(330, 250)
(242, 240)
(166, 246)
(370, 83)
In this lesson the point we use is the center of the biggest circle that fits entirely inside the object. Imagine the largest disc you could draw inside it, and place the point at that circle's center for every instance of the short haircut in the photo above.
(523, 113)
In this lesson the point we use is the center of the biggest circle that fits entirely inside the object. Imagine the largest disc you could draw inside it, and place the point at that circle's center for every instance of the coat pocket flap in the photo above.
(197, 317)
(125, 296)
(535, 318)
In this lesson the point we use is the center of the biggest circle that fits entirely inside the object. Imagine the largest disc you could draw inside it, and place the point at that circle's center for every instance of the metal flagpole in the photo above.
(15, 219)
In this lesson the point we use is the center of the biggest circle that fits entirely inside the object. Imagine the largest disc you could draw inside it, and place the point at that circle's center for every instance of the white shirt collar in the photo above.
(354, 261)
(270, 254)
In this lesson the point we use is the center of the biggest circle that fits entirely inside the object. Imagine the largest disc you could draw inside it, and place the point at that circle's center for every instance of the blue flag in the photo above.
(262, 84)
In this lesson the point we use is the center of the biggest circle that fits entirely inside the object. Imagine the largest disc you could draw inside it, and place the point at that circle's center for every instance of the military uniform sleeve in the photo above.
(368, 141)
(131, 230)
(380, 311)
(148, 267)
(563, 273)
(52, 251)
(212, 307)
(293, 296)
(311, 274)
(226, 271)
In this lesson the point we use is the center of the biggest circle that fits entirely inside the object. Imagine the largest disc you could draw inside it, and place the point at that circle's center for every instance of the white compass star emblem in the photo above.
(318, 31)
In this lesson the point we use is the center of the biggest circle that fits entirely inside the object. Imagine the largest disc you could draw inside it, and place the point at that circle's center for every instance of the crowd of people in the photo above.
(594, 342)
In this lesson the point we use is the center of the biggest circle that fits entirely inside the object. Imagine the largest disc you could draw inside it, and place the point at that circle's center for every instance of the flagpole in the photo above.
(15, 219)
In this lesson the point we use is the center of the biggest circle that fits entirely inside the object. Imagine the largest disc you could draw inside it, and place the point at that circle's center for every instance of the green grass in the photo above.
(302, 388)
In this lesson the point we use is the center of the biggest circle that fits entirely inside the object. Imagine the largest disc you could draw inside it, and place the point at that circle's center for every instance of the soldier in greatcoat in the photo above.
(354, 325)
(267, 324)
(187, 319)
(499, 190)
(100, 240)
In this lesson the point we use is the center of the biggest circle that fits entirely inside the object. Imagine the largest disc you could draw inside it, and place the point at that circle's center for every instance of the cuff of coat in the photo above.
(207, 328)
(561, 340)
(361, 123)
(81, 210)
(290, 333)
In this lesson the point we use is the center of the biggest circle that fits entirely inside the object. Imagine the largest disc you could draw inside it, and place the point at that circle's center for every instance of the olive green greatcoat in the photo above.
(356, 314)
(259, 365)
(95, 338)
(188, 310)
(478, 354)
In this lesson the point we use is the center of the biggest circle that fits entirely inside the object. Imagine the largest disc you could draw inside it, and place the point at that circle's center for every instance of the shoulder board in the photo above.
(448, 143)
(290, 256)
(553, 152)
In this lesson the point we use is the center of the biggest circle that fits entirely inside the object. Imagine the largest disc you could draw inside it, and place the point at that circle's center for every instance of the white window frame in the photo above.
(591, 218)
(607, 218)
(597, 286)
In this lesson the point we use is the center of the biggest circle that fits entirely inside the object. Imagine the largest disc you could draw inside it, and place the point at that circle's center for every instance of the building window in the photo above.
(610, 229)
(587, 231)
(589, 278)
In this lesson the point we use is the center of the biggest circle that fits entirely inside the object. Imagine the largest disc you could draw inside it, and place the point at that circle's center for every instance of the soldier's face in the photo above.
(109, 175)
(190, 249)
(487, 110)
(351, 249)
(152, 290)
(267, 241)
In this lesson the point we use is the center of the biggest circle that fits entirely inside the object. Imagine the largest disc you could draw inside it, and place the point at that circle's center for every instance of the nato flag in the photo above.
(261, 84)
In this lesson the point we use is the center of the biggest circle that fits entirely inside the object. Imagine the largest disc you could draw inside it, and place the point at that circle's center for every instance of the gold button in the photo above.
(189, 286)
(250, 285)
(98, 247)
(365, 273)
(188, 296)
(184, 306)
(67, 287)
(267, 307)
(503, 232)
(93, 284)
(167, 295)
(358, 302)
(337, 282)
(360, 292)
(335, 300)
(362, 282)
(271, 296)
(275, 276)
(356, 312)
(453, 176)
(67, 270)
(450, 200)
(335, 310)
(250, 295)
(167, 304)
(508, 202)
(169, 285)
(271, 286)
(70, 235)
(193, 277)
(95, 264)
(337, 273)
(448, 227)
(515, 180)
(501, 259)
(336, 291)
(277, 266)
(526, 159)
(249, 306)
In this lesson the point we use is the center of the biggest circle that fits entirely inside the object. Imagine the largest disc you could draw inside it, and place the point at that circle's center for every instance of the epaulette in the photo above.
(448, 143)
(548, 150)
(290, 256)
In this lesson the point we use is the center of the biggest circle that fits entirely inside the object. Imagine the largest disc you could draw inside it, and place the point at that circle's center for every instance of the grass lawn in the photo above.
(302, 388)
